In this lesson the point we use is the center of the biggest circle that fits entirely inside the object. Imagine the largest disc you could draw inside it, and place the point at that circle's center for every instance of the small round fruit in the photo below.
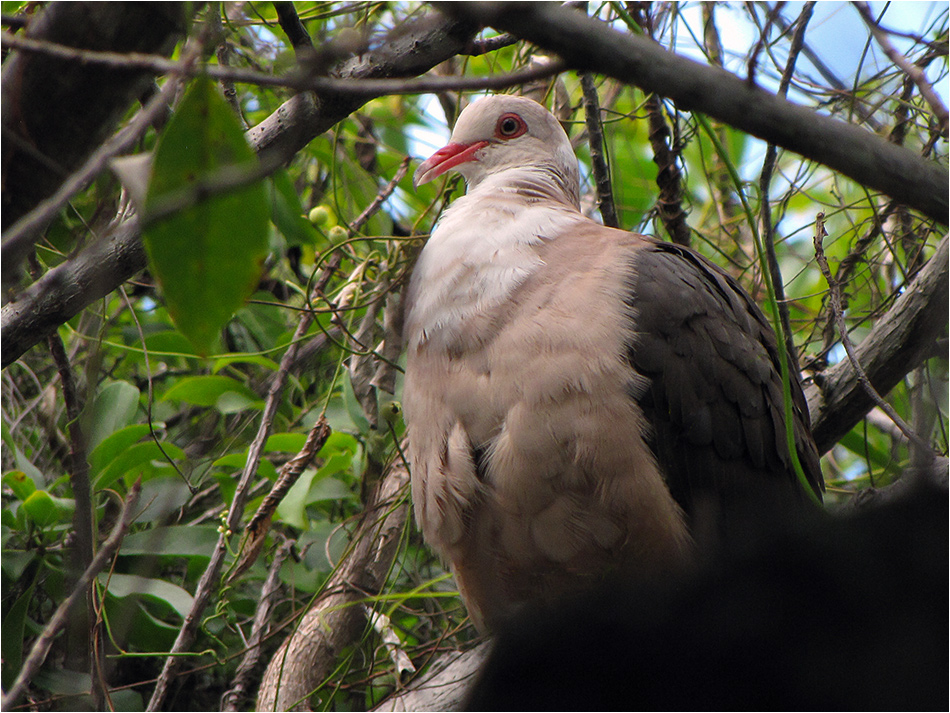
(319, 215)
(337, 234)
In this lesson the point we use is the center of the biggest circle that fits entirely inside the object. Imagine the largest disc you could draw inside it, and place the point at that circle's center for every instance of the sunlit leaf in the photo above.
(42, 509)
(20, 483)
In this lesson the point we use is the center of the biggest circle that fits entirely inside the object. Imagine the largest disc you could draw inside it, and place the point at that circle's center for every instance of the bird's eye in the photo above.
(510, 126)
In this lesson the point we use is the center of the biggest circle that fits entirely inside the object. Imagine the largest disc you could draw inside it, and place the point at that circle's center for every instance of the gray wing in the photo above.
(713, 393)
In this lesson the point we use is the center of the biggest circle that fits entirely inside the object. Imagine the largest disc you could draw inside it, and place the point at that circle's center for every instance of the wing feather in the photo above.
(714, 398)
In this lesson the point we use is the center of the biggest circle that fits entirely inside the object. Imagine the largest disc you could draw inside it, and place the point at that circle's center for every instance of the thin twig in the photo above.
(42, 646)
(210, 577)
(82, 514)
(911, 70)
(767, 230)
(299, 79)
(595, 134)
(669, 205)
(242, 677)
(255, 533)
(835, 295)
(224, 51)
(668, 178)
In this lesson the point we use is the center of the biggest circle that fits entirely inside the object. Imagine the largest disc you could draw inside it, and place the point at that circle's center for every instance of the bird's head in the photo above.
(503, 132)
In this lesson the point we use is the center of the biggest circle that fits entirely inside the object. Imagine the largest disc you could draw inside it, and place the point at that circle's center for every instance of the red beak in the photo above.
(447, 157)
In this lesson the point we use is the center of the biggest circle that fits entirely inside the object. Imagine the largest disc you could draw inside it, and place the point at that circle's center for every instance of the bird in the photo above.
(577, 397)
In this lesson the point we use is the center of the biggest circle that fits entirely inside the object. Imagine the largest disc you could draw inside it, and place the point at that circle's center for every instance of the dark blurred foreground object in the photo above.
(844, 612)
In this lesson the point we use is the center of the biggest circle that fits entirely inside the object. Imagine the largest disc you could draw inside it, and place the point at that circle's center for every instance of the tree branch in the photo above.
(911, 70)
(899, 341)
(595, 134)
(767, 230)
(242, 682)
(100, 268)
(56, 112)
(307, 657)
(591, 45)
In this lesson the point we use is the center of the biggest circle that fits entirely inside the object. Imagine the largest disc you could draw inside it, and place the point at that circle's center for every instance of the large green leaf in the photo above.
(208, 256)
(113, 408)
(115, 445)
(133, 459)
(125, 585)
(172, 541)
(209, 391)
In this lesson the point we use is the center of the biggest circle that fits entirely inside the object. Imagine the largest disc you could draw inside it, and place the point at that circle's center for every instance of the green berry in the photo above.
(320, 215)
(337, 234)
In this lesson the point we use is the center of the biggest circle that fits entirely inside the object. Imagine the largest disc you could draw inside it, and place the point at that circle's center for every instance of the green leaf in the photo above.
(127, 585)
(328, 489)
(169, 342)
(232, 402)
(256, 359)
(20, 483)
(11, 643)
(206, 390)
(176, 540)
(162, 496)
(285, 442)
(133, 458)
(113, 446)
(207, 257)
(239, 460)
(293, 508)
(855, 442)
(41, 508)
(113, 408)
(19, 458)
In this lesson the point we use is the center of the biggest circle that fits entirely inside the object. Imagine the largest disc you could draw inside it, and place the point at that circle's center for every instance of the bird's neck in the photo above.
(531, 184)
(484, 247)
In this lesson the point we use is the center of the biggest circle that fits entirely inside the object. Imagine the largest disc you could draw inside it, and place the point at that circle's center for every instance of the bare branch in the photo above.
(307, 657)
(838, 313)
(292, 26)
(255, 533)
(911, 70)
(491, 44)
(591, 45)
(899, 341)
(300, 79)
(595, 133)
(242, 677)
(84, 546)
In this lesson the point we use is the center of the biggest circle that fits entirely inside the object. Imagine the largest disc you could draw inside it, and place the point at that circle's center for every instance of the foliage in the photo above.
(172, 371)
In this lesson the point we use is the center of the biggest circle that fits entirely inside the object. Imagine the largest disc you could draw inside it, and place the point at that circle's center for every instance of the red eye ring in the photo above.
(510, 126)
